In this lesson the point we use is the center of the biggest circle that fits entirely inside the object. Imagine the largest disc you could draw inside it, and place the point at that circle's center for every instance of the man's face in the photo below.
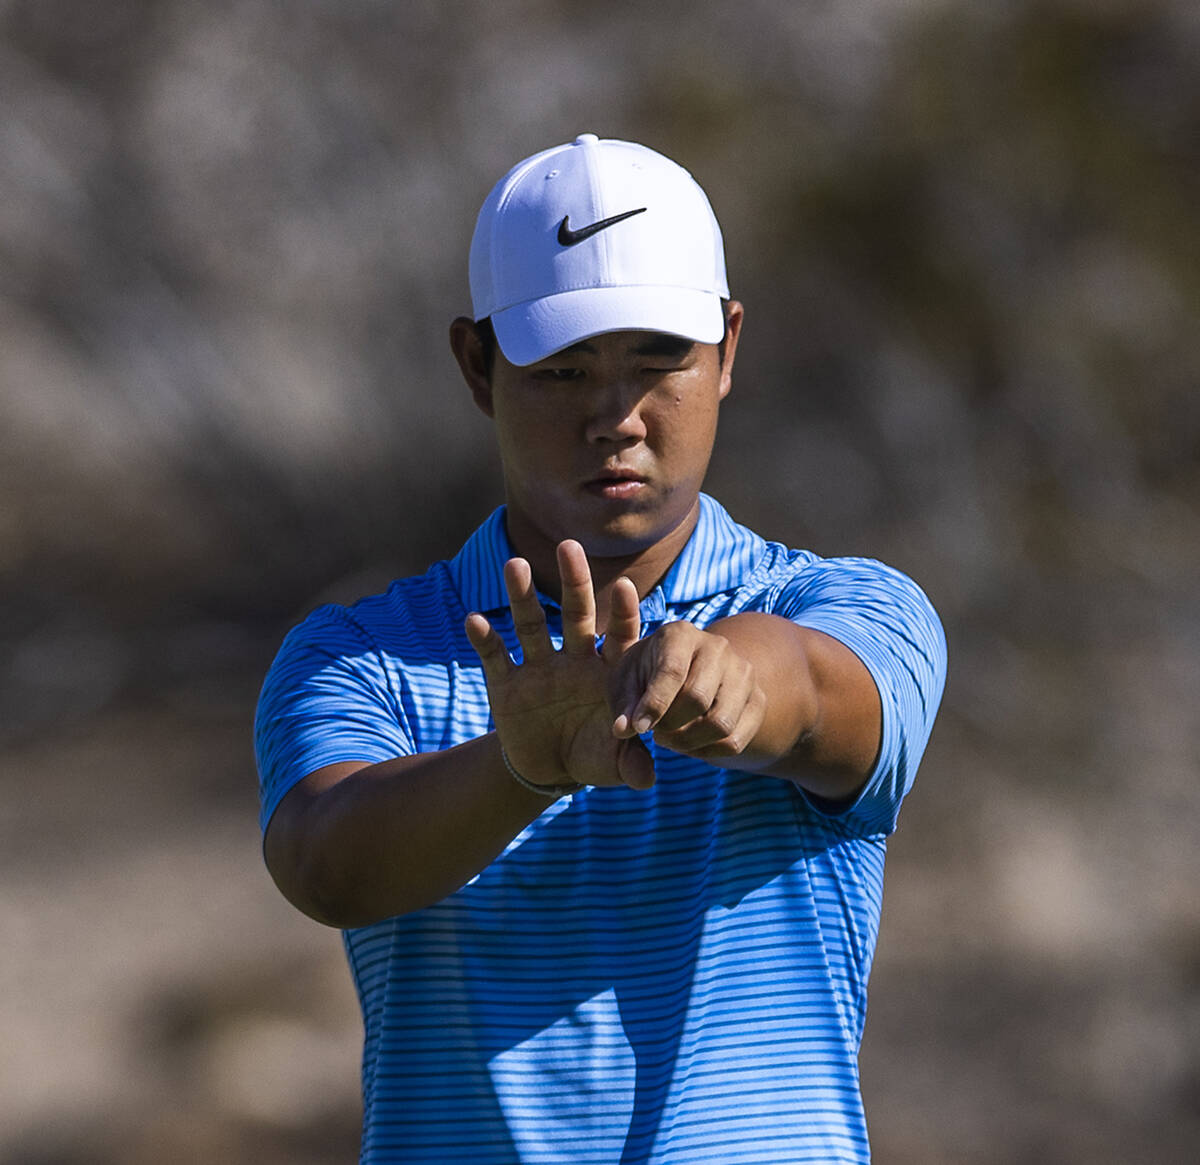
(608, 441)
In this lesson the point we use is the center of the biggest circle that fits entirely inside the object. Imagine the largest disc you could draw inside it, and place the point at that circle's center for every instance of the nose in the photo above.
(616, 415)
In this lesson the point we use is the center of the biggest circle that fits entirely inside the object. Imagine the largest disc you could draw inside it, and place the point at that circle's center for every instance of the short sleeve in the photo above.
(327, 698)
(887, 621)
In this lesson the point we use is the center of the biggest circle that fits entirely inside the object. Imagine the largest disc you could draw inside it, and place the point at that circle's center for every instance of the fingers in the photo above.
(578, 604)
(578, 600)
(708, 689)
(726, 729)
(692, 691)
(529, 620)
(665, 694)
(624, 620)
(652, 680)
(488, 646)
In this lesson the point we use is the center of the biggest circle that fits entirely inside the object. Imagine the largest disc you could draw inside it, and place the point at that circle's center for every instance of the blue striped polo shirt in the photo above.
(674, 975)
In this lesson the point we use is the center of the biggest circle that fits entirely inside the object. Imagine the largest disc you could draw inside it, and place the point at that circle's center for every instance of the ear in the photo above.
(468, 351)
(734, 313)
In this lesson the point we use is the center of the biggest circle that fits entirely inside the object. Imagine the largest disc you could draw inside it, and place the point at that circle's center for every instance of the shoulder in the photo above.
(733, 568)
(417, 605)
(857, 600)
(785, 574)
(830, 593)
(808, 577)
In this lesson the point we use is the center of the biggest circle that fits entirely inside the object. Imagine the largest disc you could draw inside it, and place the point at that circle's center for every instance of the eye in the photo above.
(558, 375)
(667, 357)
(666, 370)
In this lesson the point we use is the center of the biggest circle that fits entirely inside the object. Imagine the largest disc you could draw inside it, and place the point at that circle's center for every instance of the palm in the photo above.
(552, 712)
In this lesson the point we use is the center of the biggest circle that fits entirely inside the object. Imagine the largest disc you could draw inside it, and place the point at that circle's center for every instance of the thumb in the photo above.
(635, 764)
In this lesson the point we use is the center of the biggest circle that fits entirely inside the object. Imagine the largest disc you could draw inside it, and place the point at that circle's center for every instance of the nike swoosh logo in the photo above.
(568, 237)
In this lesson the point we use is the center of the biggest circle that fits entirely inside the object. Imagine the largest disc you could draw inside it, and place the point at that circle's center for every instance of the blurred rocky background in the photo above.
(232, 235)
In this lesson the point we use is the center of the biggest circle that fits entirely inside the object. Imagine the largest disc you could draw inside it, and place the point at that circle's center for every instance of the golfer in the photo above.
(601, 803)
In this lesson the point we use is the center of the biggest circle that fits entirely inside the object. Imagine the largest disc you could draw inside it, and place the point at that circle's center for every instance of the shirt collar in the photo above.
(719, 556)
(477, 570)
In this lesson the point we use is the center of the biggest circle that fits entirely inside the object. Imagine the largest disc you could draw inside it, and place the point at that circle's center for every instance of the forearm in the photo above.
(351, 846)
(822, 721)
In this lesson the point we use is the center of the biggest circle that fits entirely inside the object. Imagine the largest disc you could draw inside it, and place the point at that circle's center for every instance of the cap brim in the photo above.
(529, 332)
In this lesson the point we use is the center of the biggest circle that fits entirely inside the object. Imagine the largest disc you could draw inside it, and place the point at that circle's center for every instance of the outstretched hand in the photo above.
(552, 711)
(576, 714)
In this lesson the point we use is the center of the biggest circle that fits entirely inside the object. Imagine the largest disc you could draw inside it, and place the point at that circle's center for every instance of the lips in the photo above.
(616, 483)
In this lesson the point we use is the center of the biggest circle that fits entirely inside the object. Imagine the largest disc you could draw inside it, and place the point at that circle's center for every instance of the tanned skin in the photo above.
(604, 448)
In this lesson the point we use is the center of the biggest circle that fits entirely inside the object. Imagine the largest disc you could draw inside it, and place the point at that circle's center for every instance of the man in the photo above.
(617, 901)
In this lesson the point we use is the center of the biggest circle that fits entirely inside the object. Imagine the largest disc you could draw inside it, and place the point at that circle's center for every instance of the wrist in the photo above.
(542, 790)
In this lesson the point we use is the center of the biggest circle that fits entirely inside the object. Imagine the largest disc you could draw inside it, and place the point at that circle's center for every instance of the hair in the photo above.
(487, 339)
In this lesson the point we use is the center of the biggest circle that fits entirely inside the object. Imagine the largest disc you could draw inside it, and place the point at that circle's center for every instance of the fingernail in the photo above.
(642, 725)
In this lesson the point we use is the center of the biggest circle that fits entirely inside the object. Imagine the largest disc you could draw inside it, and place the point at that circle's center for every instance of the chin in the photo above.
(615, 545)
(627, 534)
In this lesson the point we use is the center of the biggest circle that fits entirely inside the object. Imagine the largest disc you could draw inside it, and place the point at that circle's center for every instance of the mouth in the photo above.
(616, 484)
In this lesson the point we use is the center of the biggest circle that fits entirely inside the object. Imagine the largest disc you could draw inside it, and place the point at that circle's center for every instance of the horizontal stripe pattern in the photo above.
(675, 975)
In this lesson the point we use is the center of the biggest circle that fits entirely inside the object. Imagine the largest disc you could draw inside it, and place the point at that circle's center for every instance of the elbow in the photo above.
(305, 870)
(316, 877)
(310, 886)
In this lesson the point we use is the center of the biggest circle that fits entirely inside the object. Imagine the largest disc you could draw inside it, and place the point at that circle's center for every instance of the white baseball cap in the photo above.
(591, 237)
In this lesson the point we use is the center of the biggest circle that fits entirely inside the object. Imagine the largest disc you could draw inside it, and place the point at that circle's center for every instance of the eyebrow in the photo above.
(661, 344)
(654, 344)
